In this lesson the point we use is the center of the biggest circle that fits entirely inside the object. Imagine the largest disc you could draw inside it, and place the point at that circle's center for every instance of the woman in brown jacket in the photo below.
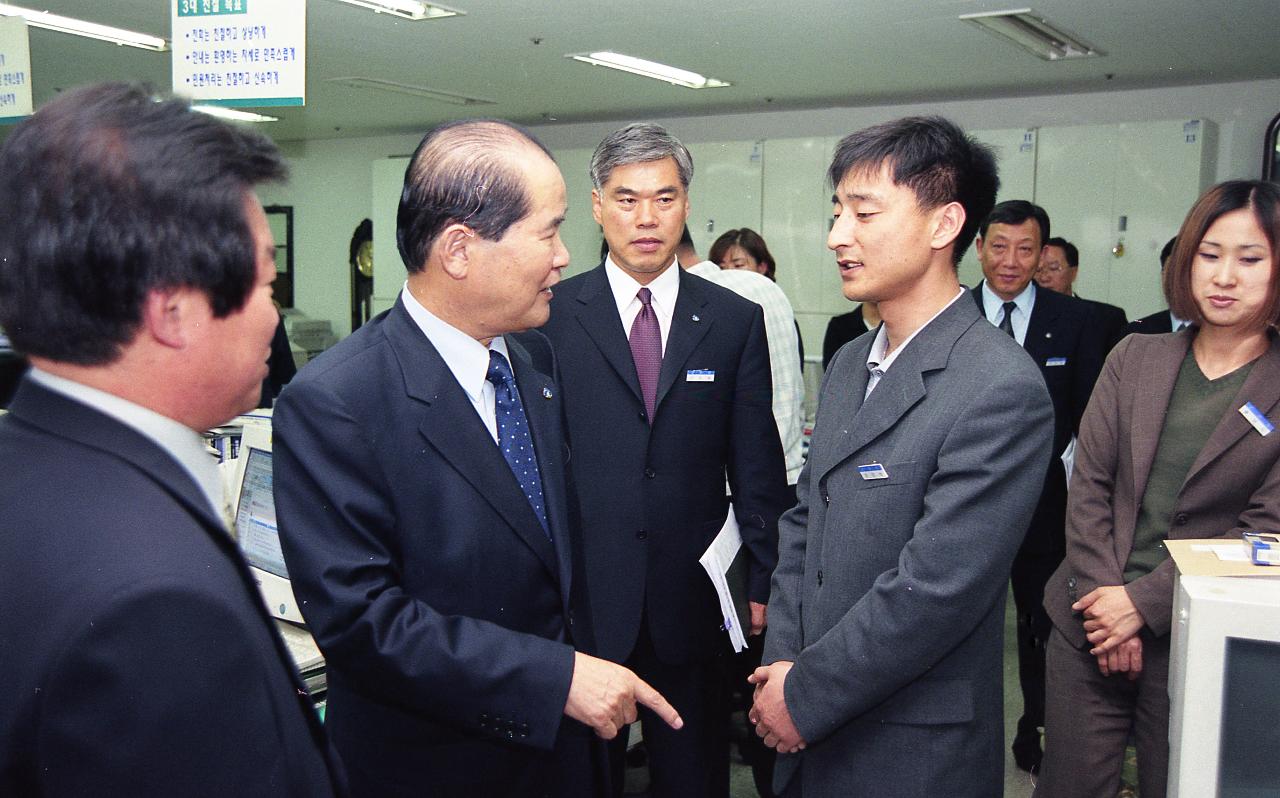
(1174, 444)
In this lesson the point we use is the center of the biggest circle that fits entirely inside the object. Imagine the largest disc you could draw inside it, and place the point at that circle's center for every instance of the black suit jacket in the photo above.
(841, 330)
(1066, 343)
(653, 496)
(137, 656)
(443, 609)
(1155, 324)
(1111, 322)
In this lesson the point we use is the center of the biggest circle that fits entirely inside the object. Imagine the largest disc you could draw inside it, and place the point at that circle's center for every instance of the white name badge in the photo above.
(699, 375)
(872, 471)
(1056, 361)
(1254, 416)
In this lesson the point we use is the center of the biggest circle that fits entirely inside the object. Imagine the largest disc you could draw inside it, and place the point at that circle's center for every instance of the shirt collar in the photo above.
(467, 358)
(663, 288)
(876, 359)
(992, 305)
(177, 439)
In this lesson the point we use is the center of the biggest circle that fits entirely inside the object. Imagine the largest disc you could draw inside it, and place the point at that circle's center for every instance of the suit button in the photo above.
(643, 417)
(650, 473)
(1071, 582)
(642, 535)
(819, 577)
(1180, 519)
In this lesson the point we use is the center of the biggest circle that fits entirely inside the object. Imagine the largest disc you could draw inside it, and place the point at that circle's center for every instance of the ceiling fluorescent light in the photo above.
(91, 30)
(649, 69)
(406, 9)
(413, 91)
(1033, 33)
(233, 114)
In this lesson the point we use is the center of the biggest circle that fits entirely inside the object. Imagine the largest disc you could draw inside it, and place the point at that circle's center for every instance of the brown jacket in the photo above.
(1233, 485)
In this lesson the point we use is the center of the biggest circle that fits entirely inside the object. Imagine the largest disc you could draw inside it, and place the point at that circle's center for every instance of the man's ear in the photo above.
(947, 223)
(455, 249)
(167, 314)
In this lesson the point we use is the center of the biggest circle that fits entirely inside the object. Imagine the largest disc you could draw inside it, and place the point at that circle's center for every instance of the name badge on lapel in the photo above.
(1254, 416)
(1056, 361)
(872, 471)
(700, 375)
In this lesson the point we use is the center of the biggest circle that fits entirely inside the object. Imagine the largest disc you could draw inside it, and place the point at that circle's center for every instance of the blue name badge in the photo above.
(1056, 361)
(1254, 416)
(699, 375)
(872, 471)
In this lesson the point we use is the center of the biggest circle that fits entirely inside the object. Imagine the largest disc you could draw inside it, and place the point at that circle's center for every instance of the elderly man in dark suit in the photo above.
(135, 272)
(421, 495)
(1062, 336)
(667, 392)
(883, 672)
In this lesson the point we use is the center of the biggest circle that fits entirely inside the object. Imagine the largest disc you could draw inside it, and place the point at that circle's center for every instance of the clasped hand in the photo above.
(1111, 624)
(769, 712)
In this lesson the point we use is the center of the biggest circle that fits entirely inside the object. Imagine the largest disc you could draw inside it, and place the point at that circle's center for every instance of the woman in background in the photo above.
(743, 249)
(1172, 445)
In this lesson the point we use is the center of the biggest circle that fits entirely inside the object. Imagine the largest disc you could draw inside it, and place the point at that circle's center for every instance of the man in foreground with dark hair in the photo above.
(1062, 337)
(422, 501)
(883, 654)
(135, 273)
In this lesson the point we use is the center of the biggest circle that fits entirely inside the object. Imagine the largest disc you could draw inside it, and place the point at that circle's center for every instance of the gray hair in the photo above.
(639, 142)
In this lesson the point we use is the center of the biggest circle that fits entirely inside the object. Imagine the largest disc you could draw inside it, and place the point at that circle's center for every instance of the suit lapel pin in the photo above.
(546, 393)
(695, 317)
(1048, 335)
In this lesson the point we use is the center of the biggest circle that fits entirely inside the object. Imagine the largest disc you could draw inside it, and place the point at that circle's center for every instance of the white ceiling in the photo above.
(777, 55)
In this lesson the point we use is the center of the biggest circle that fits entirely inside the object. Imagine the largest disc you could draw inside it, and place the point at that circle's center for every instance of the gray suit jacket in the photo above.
(889, 593)
(1233, 486)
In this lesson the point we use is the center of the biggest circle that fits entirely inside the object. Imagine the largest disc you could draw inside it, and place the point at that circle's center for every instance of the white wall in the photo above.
(331, 185)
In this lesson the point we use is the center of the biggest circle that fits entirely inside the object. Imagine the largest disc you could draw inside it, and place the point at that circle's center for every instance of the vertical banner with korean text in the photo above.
(15, 70)
(240, 52)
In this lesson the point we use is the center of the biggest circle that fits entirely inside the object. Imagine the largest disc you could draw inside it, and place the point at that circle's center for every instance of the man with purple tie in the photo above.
(667, 395)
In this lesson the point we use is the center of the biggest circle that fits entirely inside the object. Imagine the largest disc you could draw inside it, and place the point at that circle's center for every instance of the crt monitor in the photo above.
(256, 532)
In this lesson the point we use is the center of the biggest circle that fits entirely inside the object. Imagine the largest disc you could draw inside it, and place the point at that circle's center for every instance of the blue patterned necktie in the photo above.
(513, 435)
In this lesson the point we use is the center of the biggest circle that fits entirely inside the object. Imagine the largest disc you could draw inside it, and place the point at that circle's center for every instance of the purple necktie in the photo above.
(646, 350)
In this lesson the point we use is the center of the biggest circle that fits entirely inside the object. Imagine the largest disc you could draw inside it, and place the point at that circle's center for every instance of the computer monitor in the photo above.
(255, 522)
(1224, 691)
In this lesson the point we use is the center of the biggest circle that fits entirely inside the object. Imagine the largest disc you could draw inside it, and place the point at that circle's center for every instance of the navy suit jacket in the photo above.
(1065, 340)
(442, 607)
(1155, 324)
(653, 496)
(137, 656)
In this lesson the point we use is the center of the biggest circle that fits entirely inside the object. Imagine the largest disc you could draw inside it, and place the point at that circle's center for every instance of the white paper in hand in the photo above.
(717, 561)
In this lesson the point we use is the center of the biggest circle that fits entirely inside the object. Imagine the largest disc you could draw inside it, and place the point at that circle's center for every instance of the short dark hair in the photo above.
(110, 192)
(749, 240)
(466, 171)
(1263, 199)
(1068, 249)
(931, 156)
(1016, 212)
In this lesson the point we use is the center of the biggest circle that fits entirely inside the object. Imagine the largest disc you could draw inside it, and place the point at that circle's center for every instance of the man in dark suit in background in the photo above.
(135, 273)
(1162, 321)
(1059, 267)
(422, 502)
(1060, 334)
(667, 392)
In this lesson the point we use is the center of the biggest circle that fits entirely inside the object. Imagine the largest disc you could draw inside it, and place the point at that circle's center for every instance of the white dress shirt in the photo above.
(467, 358)
(664, 289)
(177, 439)
(993, 307)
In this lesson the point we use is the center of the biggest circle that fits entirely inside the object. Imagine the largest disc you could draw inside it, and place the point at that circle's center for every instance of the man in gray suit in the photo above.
(882, 670)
